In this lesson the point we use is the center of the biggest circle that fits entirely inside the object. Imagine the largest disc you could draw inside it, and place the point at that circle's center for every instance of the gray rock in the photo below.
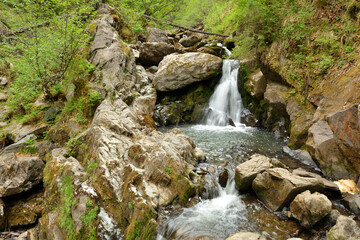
(2, 215)
(276, 95)
(22, 144)
(19, 174)
(246, 236)
(179, 70)
(345, 228)
(151, 53)
(257, 84)
(51, 113)
(156, 35)
(277, 188)
(332, 217)
(246, 172)
(3, 81)
(352, 201)
(20, 131)
(110, 54)
(190, 41)
(310, 208)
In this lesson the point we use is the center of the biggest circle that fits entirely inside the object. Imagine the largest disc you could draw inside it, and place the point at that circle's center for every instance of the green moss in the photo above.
(143, 225)
(67, 196)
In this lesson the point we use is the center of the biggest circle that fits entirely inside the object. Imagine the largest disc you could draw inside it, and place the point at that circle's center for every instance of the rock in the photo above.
(295, 239)
(179, 70)
(257, 84)
(246, 236)
(198, 154)
(51, 113)
(352, 202)
(156, 35)
(20, 145)
(347, 186)
(223, 178)
(190, 41)
(345, 228)
(20, 131)
(152, 53)
(2, 215)
(110, 54)
(276, 95)
(33, 234)
(24, 212)
(3, 97)
(332, 217)
(19, 173)
(207, 50)
(23, 236)
(324, 149)
(44, 147)
(246, 172)
(277, 188)
(310, 208)
(3, 81)
(301, 155)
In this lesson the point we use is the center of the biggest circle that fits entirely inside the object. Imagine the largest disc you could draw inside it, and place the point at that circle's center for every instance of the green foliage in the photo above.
(168, 170)
(30, 146)
(131, 207)
(67, 196)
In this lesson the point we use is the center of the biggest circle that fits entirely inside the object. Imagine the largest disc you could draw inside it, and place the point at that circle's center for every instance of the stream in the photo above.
(223, 211)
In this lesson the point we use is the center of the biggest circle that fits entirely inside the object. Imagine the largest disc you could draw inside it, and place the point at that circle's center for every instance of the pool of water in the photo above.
(225, 211)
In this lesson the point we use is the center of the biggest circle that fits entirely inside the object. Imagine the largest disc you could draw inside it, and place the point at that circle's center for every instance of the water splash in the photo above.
(225, 104)
(215, 218)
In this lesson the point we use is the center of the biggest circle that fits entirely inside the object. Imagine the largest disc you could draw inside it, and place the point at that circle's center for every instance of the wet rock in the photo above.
(198, 154)
(277, 188)
(191, 40)
(19, 173)
(323, 147)
(152, 53)
(246, 172)
(310, 208)
(179, 70)
(2, 215)
(156, 35)
(25, 212)
(248, 118)
(352, 202)
(345, 228)
(246, 236)
(223, 178)
(257, 84)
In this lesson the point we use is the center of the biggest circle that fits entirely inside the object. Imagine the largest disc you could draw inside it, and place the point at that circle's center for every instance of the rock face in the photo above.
(310, 208)
(276, 188)
(246, 172)
(156, 35)
(19, 174)
(110, 53)
(246, 236)
(179, 70)
(152, 53)
(190, 41)
(345, 228)
(119, 171)
(257, 84)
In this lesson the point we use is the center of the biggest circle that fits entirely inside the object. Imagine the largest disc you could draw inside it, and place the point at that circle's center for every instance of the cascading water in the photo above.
(225, 103)
(215, 218)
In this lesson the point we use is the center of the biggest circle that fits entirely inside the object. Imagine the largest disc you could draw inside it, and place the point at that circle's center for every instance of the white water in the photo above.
(215, 218)
(225, 103)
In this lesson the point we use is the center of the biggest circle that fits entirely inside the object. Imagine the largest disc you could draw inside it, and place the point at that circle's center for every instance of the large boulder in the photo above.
(151, 53)
(278, 187)
(310, 208)
(246, 236)
(156, 35)
(191, 40)
(323, 147)
(276, 95)
(352, 201)
(345, 228)
(19, 173)
(246, 172)
(179, 70)
(257, 84)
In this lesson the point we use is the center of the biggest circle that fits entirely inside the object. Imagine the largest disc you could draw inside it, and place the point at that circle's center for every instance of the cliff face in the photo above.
(322, 117)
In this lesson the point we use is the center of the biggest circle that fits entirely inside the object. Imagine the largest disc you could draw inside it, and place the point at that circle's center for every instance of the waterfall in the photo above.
(225, 103)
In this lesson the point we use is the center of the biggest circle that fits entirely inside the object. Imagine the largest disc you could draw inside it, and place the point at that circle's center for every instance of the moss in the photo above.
(143, 225)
